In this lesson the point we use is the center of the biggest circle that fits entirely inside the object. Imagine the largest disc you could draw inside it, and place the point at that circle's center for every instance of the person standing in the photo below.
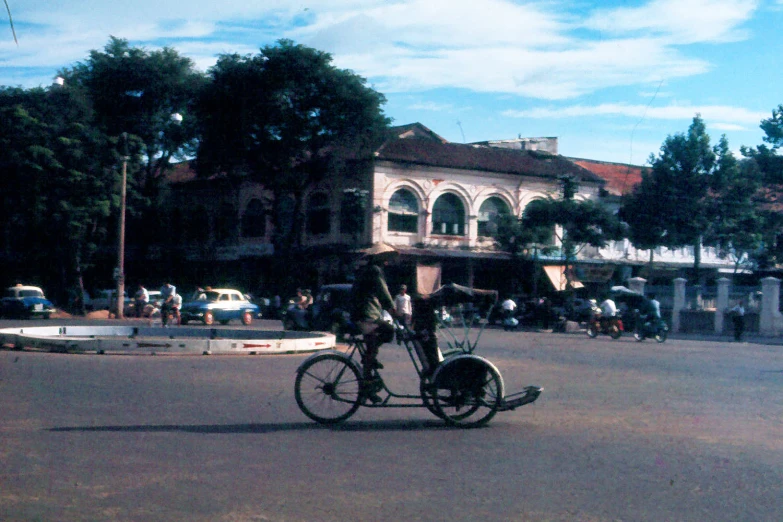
(738, 318)
(402, 305)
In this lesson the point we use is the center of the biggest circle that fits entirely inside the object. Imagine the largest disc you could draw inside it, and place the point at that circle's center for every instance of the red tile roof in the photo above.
(620, 177)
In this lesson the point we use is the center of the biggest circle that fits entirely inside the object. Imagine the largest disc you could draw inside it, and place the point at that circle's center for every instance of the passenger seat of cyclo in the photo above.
(425, 342)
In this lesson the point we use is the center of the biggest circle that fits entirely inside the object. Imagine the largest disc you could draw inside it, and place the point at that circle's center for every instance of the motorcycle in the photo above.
(611, 326)
(653, 327)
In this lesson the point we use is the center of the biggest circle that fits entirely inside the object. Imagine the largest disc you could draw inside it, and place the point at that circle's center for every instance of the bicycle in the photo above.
(463, 389)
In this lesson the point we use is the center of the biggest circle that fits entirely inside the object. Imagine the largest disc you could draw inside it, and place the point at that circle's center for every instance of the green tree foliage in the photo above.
(135, 91)
(287, 118)
(769, 164)
(572, 223)
(669, 207)
(735, 222)
(56, 191)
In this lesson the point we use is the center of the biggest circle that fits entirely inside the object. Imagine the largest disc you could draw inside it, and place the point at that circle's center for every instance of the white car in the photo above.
(221, 305)
(25, 302)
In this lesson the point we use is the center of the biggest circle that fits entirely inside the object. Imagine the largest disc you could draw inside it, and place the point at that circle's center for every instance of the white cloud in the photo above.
(431, 106)
(683, 21)
(526, 49)
(728, 126)
(722, 113)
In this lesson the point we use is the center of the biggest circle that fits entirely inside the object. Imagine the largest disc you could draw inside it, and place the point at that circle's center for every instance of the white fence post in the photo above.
(722, 304)
(637, 284)
(770, 320)
(679, 302)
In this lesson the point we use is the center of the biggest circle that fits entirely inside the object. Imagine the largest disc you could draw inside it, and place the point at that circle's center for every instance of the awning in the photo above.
(557, 276)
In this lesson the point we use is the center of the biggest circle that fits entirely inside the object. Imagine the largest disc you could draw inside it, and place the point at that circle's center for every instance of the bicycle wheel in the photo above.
(428, 397)
(468, 391)
(327, 388)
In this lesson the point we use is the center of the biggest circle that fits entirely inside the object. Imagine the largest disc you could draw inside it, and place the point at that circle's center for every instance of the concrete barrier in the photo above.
(159, 340)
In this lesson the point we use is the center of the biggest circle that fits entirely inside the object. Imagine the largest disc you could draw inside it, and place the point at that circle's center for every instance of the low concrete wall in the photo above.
(159, 340)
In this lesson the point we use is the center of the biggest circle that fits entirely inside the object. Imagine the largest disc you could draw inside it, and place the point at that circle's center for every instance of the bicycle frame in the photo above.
(356, 351)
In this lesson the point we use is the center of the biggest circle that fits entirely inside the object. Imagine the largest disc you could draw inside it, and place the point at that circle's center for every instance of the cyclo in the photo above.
(458, 386)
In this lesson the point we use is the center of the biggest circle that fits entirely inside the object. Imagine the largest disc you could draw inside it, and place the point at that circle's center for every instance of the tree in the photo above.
(572, 223)
(770, 168)
(669, 207)
(735, 222)
(56, 187)
(286, 118)
(136, 92)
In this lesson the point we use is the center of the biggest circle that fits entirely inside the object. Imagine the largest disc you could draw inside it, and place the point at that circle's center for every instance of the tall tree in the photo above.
(770, 167)
(673, 200)
(137, 92)
(56, 189)
(287, 118)
(735, 224)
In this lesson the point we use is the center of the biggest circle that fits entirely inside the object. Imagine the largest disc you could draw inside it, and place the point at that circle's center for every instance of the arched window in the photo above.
(254, 219)
(490, 214)
(448, 216)
(318, 214)
(403, 212)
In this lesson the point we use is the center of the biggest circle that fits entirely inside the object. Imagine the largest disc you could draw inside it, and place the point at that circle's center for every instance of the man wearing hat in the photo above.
(370, 298)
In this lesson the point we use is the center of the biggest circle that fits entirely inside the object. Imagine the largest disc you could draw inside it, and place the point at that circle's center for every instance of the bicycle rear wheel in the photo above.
(468, 392)
(327, 388)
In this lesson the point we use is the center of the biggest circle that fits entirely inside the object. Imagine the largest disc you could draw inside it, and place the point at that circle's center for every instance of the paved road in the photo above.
(686, 430)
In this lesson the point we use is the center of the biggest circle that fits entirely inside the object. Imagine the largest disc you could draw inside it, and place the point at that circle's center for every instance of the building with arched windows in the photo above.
(437, 203)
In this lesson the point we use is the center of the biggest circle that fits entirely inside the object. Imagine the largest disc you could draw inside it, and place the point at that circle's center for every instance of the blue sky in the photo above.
(610, 79)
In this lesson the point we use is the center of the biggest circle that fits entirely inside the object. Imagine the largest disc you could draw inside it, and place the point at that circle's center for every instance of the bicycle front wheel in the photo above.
(327, 388)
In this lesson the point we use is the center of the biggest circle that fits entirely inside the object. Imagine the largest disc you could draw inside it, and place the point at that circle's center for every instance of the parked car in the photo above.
(106, 300)
(25, 302)
(329, 312)
(221, 305)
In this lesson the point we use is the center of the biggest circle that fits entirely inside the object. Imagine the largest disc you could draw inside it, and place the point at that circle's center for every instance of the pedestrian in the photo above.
(509, 307)
(402, 305)
(176, 304)
(738, 318)
(141, 300)
(167, 293)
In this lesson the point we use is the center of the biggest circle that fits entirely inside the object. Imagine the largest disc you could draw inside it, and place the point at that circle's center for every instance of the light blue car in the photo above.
(25, 302)
(221, 305)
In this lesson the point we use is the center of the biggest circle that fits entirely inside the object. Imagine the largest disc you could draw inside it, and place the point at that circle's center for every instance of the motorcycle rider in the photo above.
(608, 308)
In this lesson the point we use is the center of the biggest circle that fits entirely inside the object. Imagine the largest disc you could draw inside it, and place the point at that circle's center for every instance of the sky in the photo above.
(610, 79)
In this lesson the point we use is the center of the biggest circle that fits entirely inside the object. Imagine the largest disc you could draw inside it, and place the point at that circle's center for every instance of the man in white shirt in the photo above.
(141, 300)
(608, 308)
(402, 306)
